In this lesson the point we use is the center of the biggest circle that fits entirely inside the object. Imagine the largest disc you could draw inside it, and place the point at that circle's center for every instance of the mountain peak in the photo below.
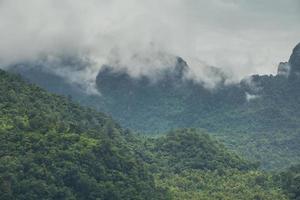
(111, 76)
(294, 62)
(284, 69)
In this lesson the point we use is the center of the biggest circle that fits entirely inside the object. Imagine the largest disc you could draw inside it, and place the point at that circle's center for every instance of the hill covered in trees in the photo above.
(52, 148)
(192, 165)
(257, 117)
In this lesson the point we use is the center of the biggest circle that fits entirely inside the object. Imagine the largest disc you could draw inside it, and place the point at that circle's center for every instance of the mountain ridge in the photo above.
(259, 106)
(52, 148)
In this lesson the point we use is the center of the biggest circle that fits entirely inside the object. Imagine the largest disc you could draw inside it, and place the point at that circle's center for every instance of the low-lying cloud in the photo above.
(240, 37)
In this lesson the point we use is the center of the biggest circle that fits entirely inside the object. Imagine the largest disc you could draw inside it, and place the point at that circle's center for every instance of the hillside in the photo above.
(193, 165)
(257, 117)
(51, 148)
(256, 104)
(184, 149)
(290, 181)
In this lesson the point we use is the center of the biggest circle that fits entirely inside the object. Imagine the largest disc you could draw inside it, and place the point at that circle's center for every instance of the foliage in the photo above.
(185, 149)
(232, 184)
(192, 165)
(290, 182)
(269, 120)
(51, 148)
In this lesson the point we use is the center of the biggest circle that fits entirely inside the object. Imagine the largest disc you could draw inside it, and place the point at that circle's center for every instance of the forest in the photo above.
(256, 117)
(53, 148)
(149, 100)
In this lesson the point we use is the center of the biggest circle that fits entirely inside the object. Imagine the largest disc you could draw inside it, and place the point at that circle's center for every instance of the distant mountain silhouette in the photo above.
(260, 104)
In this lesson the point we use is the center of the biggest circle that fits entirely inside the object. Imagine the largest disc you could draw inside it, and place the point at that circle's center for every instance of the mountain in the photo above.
(51, 148)
(193, 165)
(256, 104)
(164, 103)
(295, 62)
(191, 149)
(174, 101)
(257, 117)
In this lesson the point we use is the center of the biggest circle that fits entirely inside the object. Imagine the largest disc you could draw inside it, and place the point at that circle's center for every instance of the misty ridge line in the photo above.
(74, 39)
(83, 72)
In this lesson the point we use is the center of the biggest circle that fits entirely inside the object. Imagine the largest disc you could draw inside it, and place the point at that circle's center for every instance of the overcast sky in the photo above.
(240, 36)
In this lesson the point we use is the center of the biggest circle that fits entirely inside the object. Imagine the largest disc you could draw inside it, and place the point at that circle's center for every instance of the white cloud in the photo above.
(241, 37)
(250, 97)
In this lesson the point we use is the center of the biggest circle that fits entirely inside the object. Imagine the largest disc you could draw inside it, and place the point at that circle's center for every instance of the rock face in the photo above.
(284, 69)
(169, 77)
(294, 62)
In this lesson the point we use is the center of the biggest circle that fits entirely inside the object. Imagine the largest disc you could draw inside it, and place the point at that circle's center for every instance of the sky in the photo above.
(241, 37)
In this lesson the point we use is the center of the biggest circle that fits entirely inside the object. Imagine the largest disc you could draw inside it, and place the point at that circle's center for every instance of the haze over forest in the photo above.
(149, 100)
(240, 37)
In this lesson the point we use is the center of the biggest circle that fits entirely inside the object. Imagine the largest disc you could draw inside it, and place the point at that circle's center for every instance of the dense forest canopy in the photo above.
(52, 148)
(257, 117)
(149, 100)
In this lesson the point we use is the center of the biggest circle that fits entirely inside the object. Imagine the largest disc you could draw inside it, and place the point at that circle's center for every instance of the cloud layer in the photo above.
(239, 36)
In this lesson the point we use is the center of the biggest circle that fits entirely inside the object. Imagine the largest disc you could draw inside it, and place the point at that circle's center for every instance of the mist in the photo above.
(240, 37)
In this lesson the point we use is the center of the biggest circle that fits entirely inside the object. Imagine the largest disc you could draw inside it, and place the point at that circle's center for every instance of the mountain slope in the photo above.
(184, 149)
(258, 103)
(290, 182)
(258, 117)
(51, 148)
(192, 165)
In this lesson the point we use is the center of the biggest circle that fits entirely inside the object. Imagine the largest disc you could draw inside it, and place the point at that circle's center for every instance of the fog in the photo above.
(241, 37)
